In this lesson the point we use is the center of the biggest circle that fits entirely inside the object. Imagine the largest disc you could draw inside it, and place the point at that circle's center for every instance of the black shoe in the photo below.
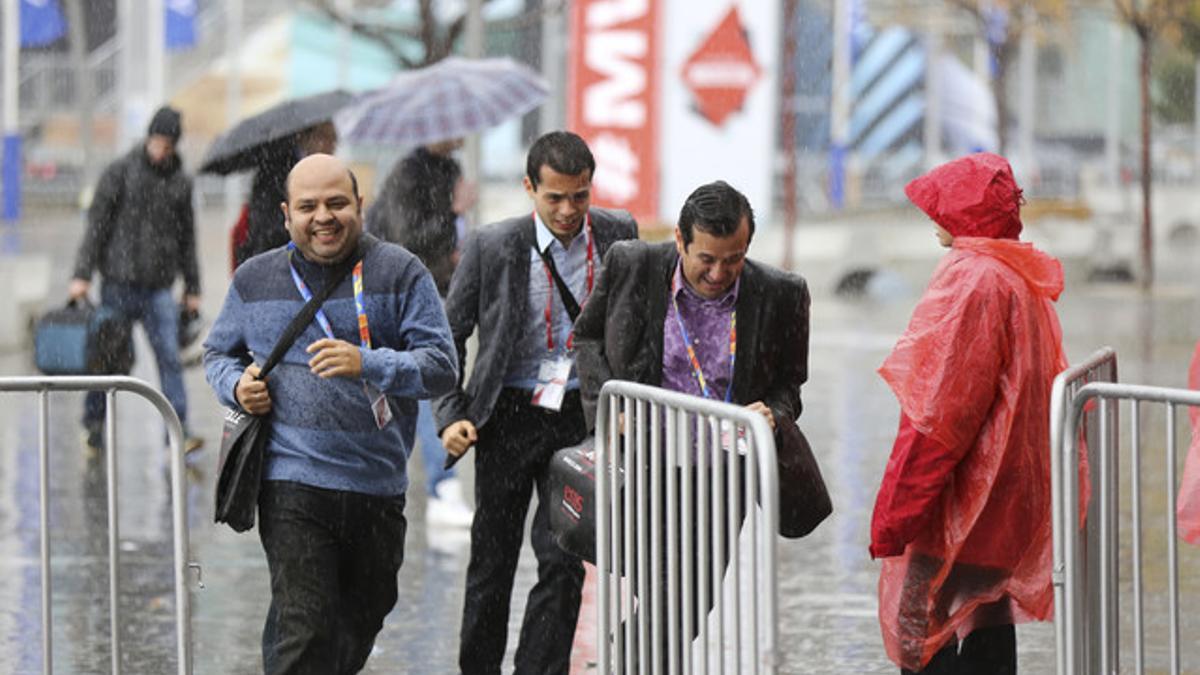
(93, 442)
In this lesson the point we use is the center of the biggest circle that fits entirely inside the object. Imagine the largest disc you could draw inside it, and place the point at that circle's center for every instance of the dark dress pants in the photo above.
(719, 550)
(511, 460)
(333, 558)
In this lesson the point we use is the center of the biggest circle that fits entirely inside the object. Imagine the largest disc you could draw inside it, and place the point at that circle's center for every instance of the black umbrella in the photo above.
(239, 148)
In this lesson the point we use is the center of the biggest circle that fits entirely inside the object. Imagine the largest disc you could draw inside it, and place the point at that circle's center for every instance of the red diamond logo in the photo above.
(722, 70)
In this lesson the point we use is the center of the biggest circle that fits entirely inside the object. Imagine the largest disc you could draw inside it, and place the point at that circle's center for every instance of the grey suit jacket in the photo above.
(490, 290)
(619, 334)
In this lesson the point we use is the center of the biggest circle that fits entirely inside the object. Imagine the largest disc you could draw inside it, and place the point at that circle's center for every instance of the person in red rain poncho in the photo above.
(962, 518)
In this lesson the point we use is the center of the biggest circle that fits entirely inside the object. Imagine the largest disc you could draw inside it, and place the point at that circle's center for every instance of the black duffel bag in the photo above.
(573, 498)
(803, 497)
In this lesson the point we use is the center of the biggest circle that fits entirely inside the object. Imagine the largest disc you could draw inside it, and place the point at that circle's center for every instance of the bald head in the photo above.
(328, 162)
(323, 213)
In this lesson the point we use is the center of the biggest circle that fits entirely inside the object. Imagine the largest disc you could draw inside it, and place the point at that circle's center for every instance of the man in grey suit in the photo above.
(521, 282)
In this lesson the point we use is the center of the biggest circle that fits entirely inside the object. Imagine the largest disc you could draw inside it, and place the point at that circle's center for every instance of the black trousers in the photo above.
(718, 550)
(333, 558)
(511, 461)
(985, 651)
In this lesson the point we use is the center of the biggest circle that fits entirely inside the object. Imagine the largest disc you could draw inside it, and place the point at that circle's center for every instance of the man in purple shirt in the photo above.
(653, 299)
(696, 316)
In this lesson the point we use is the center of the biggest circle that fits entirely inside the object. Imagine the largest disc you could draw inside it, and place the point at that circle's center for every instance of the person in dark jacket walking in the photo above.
(140, 237)
(269, 188)
(421, 207)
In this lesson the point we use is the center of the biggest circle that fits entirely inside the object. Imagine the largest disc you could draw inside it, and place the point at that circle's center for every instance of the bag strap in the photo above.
(569, 301)
(305, 316)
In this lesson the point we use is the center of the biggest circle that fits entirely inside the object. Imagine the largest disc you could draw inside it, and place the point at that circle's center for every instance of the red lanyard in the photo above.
(591, 280)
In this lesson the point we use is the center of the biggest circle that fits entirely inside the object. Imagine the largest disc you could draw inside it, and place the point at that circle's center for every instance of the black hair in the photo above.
(562, 151)
(715, 208)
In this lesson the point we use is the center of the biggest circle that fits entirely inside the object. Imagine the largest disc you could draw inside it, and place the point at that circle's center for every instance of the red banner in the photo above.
(613, 99)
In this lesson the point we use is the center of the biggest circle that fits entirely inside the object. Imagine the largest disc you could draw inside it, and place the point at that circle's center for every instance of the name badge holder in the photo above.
(553, 374)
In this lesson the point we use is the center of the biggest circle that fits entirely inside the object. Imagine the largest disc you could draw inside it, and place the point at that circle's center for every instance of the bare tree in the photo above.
(435, 37)
(1151, 20)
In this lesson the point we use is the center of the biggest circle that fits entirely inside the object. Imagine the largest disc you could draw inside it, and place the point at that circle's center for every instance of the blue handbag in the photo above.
(82, 339)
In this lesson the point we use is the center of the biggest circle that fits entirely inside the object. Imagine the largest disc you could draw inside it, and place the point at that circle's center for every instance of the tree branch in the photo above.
(382, 35)
(529, 18)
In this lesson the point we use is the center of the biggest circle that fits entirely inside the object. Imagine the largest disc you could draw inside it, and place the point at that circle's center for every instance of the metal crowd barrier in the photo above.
(659, 573)
(1083, 591)
(1089, 622)
(110, 386)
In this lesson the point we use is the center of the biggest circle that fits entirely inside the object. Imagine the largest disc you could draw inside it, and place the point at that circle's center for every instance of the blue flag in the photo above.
(41, 22)
(180, 16)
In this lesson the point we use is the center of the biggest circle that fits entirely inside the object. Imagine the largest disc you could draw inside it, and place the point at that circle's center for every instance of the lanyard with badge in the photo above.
(380, 409)
(555, 369)
(698, 372)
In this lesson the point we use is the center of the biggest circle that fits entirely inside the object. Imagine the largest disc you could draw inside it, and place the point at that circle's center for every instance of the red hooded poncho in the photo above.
(965, 499)
(1187, 504)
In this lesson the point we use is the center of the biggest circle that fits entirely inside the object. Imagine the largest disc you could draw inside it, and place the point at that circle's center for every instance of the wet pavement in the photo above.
(827, 582)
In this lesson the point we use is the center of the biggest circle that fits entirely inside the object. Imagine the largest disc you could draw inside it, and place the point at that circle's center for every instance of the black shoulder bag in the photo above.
(244, 438)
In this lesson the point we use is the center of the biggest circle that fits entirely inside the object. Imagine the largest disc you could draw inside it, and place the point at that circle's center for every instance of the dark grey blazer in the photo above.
(619, 334)
(490, 289)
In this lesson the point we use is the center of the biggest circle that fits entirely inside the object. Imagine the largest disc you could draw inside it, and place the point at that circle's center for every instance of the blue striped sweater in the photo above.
(322, 430)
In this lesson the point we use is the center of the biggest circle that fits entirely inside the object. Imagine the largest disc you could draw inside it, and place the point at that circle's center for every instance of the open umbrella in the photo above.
(239, 148)
(449, 99)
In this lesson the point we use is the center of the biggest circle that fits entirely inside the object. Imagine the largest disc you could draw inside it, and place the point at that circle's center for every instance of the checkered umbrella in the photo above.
(449, 99)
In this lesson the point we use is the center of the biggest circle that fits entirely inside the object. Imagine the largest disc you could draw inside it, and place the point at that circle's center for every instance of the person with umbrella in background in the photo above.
(422, 207)
(271, 143)
(140, 237)
(424, 198)
(264, 218)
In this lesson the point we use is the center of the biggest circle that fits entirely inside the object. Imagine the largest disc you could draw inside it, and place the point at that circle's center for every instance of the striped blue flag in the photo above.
(41, 22)
(180, 16)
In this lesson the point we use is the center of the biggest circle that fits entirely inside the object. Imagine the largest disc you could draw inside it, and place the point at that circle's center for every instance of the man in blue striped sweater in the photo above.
(343, 406)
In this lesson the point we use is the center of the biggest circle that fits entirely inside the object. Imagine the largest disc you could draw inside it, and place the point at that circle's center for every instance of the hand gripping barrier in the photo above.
(110, 385)
(691, 525)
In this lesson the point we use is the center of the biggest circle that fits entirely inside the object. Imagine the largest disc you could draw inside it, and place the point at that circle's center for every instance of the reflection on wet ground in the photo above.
(827, 582)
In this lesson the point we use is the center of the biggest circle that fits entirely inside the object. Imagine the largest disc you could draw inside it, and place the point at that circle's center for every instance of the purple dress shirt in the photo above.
(707, 322)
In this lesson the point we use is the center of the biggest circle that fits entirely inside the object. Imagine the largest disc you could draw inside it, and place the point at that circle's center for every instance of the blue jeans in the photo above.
(159, 314)
(433, 455)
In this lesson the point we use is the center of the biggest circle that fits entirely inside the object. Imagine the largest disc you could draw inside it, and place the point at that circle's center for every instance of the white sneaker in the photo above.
(448, 508)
